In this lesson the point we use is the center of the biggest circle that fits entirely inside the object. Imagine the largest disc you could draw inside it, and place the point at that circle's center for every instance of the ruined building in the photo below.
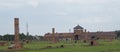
(80, 34)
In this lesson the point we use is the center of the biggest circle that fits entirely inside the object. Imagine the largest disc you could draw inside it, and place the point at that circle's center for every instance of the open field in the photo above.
(40, 46)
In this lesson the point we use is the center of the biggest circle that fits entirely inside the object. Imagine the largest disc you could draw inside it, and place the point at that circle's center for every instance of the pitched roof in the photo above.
(102, 33)
(78, 27)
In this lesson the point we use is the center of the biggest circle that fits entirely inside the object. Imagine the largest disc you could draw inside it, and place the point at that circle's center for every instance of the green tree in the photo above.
(1, 37)
(22, 36)
(118, 34)
(41, 37)
(8, 37)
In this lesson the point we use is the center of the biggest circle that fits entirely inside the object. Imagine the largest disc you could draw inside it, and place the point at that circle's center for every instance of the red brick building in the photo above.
(80, 34)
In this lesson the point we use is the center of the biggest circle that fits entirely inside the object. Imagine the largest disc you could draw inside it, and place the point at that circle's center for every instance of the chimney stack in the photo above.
(85, 30)
(18, 45)
(16, 27)
(53, 36)
(53, 30)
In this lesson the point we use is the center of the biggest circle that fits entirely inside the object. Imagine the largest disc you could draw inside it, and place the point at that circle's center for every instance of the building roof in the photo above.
(102, 33)
(78, 27)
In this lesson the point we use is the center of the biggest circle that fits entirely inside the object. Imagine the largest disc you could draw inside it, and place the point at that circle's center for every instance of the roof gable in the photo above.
(78, 27)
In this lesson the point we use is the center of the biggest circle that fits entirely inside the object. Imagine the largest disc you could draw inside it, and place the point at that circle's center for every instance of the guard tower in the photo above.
(78, 30)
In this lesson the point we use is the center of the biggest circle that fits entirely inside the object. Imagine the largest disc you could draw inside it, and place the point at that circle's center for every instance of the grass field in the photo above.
(40, 46)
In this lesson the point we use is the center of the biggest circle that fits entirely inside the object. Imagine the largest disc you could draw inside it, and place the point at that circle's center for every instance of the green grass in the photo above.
(39, 46)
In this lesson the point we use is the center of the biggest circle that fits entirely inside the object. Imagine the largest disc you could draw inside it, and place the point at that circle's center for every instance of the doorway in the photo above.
(76, 37)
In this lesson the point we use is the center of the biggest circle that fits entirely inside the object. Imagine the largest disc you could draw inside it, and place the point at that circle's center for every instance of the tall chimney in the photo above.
(53, 30)
(53, 35)
(85, 30)
(18, 45)
(16, 31)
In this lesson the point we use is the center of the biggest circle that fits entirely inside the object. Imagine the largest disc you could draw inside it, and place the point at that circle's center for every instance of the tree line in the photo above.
(118, 34)
(22, 36)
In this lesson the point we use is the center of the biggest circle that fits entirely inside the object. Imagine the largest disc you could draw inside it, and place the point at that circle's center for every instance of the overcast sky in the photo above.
(43, 15)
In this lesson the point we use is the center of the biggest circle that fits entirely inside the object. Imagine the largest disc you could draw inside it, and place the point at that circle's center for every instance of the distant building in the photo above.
(80, 34)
